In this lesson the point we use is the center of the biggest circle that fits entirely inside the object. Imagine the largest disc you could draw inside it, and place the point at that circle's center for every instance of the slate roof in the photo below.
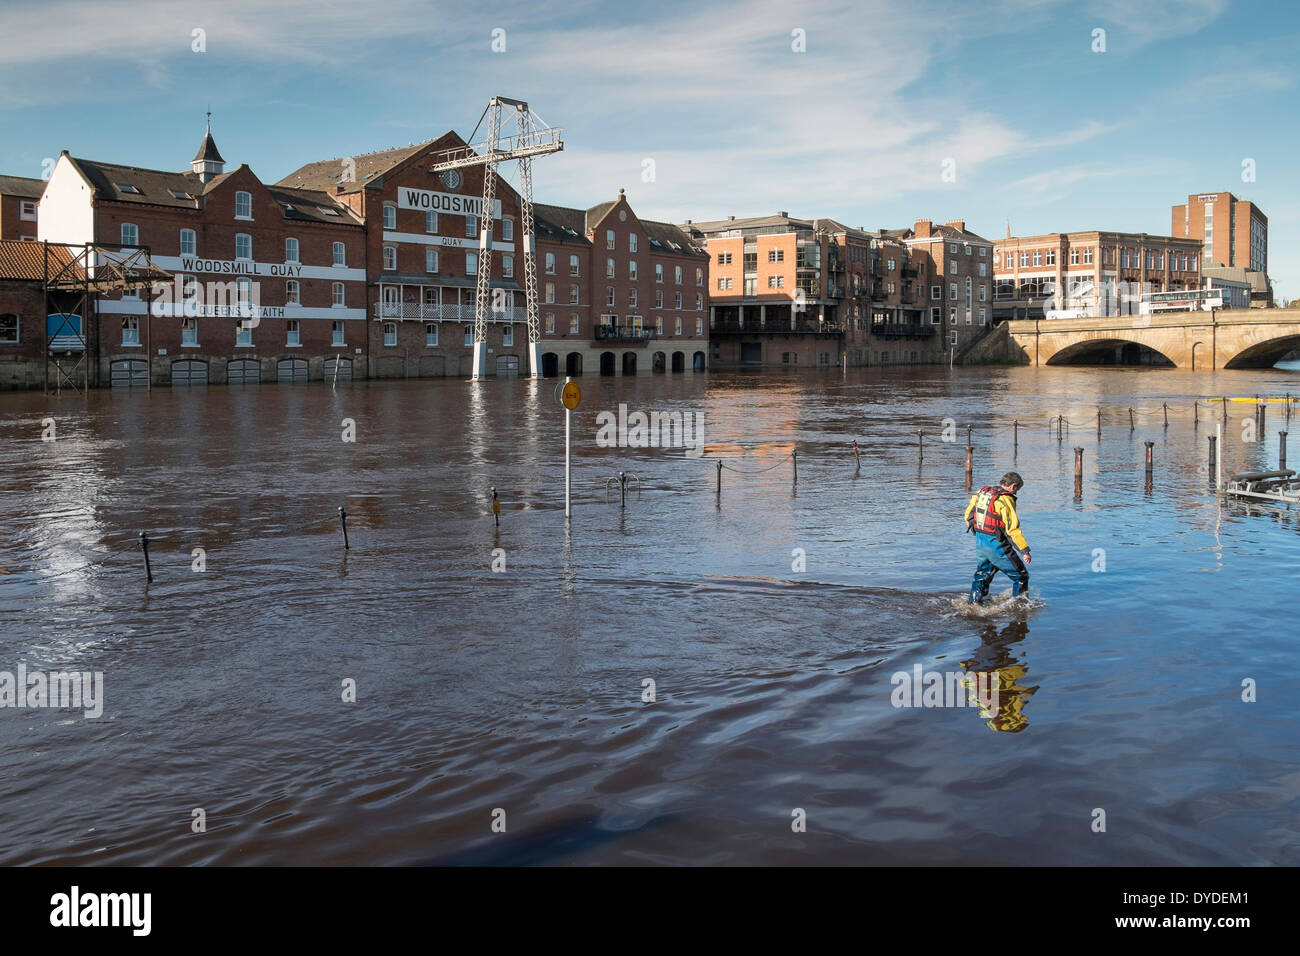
(325, 175)
(21, 186)
(208, 149)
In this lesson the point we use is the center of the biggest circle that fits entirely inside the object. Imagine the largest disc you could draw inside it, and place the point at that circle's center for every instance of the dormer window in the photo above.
(243, 205)
(127, 188)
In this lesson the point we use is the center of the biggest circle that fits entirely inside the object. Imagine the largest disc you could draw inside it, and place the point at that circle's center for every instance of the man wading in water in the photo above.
(991, 516)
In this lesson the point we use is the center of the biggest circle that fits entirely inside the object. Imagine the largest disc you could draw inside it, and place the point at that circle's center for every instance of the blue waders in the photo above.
(996, 555)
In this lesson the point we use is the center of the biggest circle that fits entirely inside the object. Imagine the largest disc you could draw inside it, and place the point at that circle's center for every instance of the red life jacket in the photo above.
(985, 519)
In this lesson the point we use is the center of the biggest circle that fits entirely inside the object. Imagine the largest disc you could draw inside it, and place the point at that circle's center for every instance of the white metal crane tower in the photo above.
(530, 137)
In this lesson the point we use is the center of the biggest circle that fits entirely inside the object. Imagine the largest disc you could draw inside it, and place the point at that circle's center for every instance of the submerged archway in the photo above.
(1119, 352)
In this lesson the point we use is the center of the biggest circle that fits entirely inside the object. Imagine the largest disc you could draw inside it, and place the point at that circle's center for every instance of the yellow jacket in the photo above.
(1006, 510)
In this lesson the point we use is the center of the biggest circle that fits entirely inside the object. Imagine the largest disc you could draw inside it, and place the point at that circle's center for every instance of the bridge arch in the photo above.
(1110, 351)
(1264, 354)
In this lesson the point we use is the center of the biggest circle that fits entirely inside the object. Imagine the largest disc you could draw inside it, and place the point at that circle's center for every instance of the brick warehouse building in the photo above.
(1075, 274)
(19, 201)
(421, 235)
(24, 310)
(293, 258)
(788, 292)
(619, 294)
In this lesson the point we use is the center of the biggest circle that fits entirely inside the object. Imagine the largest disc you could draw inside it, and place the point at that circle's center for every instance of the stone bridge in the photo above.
(1245, 338)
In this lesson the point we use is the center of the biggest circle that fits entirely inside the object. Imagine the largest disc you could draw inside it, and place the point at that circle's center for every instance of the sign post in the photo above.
(568, 395)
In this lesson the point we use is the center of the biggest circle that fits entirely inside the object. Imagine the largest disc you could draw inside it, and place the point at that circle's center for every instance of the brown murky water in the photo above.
(522, 689)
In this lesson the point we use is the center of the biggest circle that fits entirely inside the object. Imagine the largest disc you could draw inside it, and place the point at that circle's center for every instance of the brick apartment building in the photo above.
(788, 292)
(269, 282)
(960, 276)
(19, 201)
(619, 294)
(1075, 274)
(1234, 236)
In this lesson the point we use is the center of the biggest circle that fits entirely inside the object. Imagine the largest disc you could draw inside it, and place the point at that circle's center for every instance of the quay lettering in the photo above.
(74, 908)
(241, 267)
(57, 689)
(921, 688)
(194, 299)
(651, 430)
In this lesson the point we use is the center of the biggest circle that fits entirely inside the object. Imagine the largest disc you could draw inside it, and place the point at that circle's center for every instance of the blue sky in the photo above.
(1041, 129)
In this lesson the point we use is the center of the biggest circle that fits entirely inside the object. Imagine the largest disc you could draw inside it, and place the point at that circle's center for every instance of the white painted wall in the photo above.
(66, 214)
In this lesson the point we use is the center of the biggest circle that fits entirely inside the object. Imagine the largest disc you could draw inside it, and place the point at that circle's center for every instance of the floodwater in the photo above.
(771, 619)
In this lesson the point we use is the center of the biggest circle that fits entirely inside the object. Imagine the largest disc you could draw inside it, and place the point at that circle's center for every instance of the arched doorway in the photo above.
(550, 365)
(573, 364)
(629, 363)
(699, 362)
(660, 360)
(679, 361)
(606, 363)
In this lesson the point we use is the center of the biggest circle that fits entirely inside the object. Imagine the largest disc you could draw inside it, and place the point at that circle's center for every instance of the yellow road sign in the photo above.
(570, 396)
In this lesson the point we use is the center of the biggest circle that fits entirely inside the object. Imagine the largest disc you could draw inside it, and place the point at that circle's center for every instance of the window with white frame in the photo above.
(508, 266)
(243, 336)
(390, 258)
(699, 302)
(290, 249)
(469, 336)
(631, 242)
(677, 300)
(631, 298)
(549, 267)
(966, 250)
(189, 332)
(1074, 257)
(338, 334)
(699, 276)
(659, 325)
(291, 293)
(243, 205)
(699, 326)
(609, 268)
(724, 285)
(1024, 260)
(952, 290)
(677, 274)
(936, 291)
(548, 292)
(953, 248)
(130, 234)
(390, 215)
(189, 242)
(431, 222)
(659, 272)
(548, 323)
(471, 226)
(27, 210)
(890, 265)
(340, 254)
(508, 335)
(609, 298)
(936, 315)
(292, 333)
(507, 230)
(677, 326)
(631, 270)
(130, 330)
(339, 294)
(984, 292)
(573, 295)
(573, 266)
(430, 260)
(952, 268)
(981, 316)
(390, 334)
(659, 298)
(430, 335)
(243, 246)
(609, 239)
(575, 323)
(471, 263)
(724, 258)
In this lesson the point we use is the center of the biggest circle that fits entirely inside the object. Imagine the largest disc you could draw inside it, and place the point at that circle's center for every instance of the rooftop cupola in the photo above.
(208, 163)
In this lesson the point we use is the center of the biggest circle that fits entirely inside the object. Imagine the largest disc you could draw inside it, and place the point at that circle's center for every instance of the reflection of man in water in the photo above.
(995, 655)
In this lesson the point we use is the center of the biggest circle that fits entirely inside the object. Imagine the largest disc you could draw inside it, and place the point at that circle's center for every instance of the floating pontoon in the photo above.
(1280, 486)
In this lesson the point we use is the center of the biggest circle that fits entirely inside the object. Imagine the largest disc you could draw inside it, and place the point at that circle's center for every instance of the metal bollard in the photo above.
(496, 508)
(1150, 463)
(857, 455)
(1196, 413)
(794, 459)
(1225, 409)
(622, 487)
(1131, 426)
(144, 546)
(1099, 424)
(719, 478)
(1281, 451)
(970, 451)
(1015, 434)
(1263, 411)
(343, 520)
(1166, 406)
(1214, 453)
(920, 448)
(1078, 462)
(968, 431)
